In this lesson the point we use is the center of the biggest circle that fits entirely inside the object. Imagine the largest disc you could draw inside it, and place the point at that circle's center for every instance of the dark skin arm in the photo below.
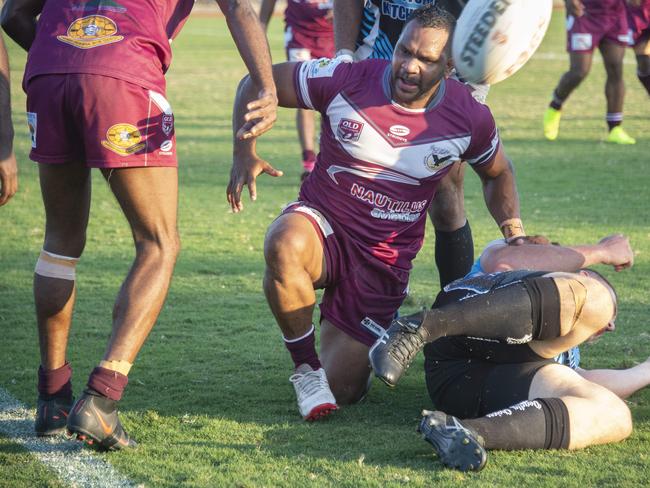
(8, 166)
(266, 11)
(18, 19)
(347, 21)
(500, 188)
(247, 165)
(253, 47)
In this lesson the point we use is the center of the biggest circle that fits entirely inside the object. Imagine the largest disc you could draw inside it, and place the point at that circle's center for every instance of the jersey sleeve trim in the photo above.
(487, 156)
(301, 84)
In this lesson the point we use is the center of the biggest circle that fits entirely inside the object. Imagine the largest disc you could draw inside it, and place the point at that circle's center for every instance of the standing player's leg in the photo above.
(613, 54)
(306, 130)
(580, 65)
(295, 267)
(148, 197)
(66, 197)
(642, 53)
(454, 252)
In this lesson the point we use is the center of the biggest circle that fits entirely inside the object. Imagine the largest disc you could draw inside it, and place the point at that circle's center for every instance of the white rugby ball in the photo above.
(494, 38)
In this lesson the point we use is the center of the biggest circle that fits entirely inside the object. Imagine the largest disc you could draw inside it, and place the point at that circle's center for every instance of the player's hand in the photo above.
(8, 178)
(535, 239)
(244, 172)
(575, 8)
(617, 251)
(260, 116)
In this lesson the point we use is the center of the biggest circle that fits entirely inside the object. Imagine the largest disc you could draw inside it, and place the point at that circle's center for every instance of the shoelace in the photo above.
(309, 383)
(408, 343)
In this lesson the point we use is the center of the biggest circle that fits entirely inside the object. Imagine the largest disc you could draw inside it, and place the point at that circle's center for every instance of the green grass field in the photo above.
(209, 398)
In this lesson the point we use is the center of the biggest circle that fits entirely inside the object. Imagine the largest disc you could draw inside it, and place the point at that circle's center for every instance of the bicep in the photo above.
(283, 75)
(499, 165)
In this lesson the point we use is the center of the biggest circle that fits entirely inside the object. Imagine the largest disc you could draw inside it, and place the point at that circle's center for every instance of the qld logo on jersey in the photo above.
(349, 130)
(91, 31)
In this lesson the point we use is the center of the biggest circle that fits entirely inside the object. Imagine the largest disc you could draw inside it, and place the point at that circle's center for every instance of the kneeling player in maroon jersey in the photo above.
(95, 98)
(391, 131)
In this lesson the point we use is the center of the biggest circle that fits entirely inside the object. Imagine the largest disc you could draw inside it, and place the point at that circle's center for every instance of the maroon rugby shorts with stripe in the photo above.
(102, 121)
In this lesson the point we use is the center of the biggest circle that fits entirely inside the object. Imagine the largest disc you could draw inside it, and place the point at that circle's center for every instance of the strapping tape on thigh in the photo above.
(53, 265)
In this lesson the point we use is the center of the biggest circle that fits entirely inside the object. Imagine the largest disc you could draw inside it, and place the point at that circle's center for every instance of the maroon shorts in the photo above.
(102, 121)
(362, 293)
(639, 21)
(584, 34)
(302, 46)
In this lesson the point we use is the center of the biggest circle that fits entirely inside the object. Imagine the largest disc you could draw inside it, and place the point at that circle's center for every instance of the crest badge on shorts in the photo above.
(91, 31)
(123, 139)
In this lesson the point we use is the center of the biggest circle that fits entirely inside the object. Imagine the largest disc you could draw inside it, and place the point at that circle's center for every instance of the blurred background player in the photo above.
(8, 166)
(639, 21)
(392, 136)
(593, 24)
(95, 83)
(308, 34)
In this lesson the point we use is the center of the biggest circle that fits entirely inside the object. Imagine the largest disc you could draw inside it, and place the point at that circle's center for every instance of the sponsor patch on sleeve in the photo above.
(322, 68)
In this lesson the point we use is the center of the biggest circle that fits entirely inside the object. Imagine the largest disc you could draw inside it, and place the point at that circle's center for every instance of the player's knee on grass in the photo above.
(286, 246)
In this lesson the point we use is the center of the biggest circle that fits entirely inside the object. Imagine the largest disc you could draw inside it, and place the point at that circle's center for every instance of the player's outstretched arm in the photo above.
(253, 47)
(347, 21)
(8, 166)
(18, 19)
(614, 250)
(247, 166)
(500, 193)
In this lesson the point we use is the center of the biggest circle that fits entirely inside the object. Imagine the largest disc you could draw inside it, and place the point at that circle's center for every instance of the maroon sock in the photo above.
(55, 382)
(109, 383)
(645, 81)
(303, 350)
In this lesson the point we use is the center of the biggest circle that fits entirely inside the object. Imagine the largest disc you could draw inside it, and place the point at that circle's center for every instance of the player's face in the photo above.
(419, 62)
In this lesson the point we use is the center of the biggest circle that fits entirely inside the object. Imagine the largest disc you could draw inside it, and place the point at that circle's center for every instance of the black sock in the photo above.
(542, 423)
(556, 101)
(454, 254)
(512, 314)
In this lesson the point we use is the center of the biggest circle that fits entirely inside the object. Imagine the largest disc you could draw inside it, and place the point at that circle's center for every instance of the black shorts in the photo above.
(469, 377)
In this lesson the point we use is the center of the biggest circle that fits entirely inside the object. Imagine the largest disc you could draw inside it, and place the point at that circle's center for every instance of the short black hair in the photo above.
(433, 16)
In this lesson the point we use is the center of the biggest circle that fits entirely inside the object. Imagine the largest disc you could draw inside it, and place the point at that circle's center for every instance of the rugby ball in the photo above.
(494, 38)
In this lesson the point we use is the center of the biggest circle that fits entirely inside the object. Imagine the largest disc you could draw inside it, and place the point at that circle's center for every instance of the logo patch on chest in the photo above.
(91, 31)
(349, 130)
(438, 158)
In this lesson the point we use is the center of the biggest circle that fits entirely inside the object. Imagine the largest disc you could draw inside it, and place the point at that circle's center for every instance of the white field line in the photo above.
(74, 465)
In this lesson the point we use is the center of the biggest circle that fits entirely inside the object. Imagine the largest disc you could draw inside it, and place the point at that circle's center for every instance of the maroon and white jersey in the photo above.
(313, 17)
(124, 39)
(380, 163)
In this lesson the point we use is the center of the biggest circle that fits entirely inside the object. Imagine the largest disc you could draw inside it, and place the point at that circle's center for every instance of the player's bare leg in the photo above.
(306, 129)
(596, 415)
(454, 245)
(66, 197)
(295, 267)
(149, 199)
(642, 52)
(346, 362)
(622, 382)
(614, 91)
(579, 67)
(563, 411)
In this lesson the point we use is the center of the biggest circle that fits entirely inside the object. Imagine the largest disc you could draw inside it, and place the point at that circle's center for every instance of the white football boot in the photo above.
(315, 399)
